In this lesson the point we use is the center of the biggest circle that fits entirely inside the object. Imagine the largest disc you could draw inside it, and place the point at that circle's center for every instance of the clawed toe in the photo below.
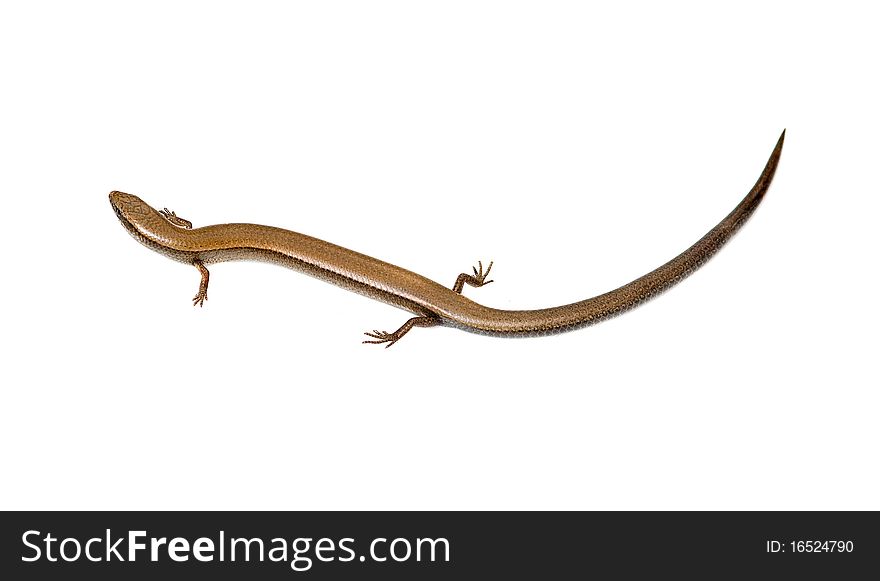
(480, 275)
(380, 337)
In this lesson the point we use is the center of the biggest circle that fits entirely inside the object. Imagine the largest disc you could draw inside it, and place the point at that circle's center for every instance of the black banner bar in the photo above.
(428, 545)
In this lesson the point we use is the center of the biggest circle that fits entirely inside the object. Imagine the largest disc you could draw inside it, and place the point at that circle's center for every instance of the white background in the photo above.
(578, 145)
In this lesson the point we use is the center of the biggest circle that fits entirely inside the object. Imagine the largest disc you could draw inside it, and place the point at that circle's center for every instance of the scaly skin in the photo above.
(433, 303)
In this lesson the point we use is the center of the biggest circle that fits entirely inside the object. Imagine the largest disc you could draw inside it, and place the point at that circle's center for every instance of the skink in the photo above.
(431, 302)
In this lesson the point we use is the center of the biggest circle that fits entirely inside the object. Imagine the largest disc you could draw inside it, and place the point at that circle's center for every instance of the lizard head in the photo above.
(135, 214)
(147, 225)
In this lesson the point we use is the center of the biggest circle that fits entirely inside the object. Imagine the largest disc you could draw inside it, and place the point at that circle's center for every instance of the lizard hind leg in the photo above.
(379, 337)
(477, 279)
